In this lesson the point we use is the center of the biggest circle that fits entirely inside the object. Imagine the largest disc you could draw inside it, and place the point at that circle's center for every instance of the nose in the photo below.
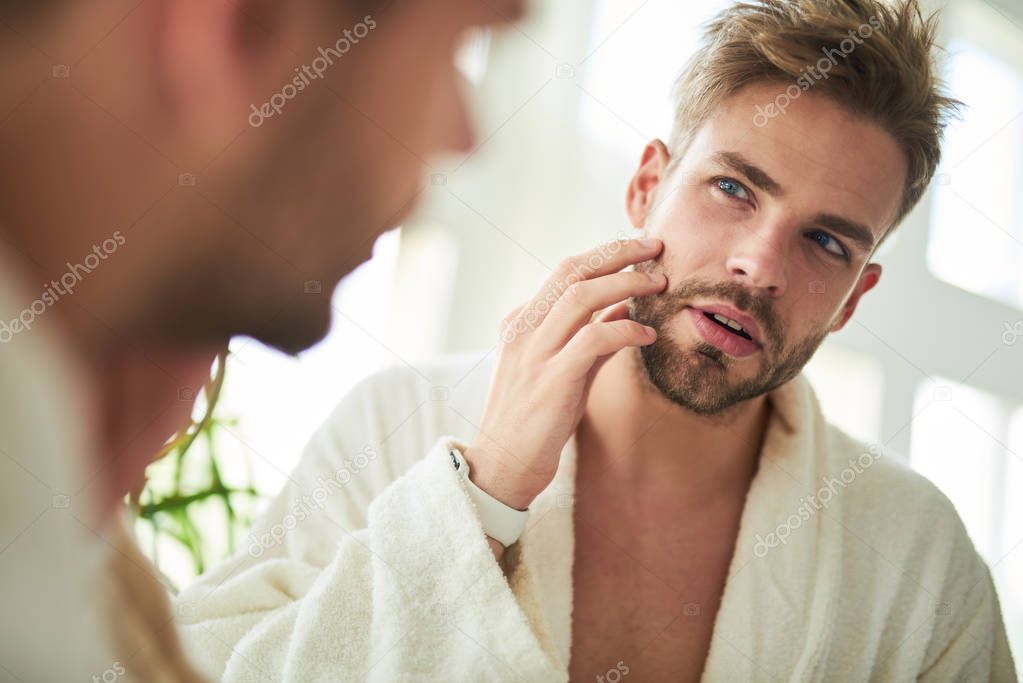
(758, 261)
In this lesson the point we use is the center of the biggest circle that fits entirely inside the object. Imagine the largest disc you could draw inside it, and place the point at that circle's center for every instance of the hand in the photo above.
(551, 349)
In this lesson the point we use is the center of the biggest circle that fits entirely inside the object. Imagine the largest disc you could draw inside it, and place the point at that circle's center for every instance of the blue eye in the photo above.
(730, 187)
(828, 240)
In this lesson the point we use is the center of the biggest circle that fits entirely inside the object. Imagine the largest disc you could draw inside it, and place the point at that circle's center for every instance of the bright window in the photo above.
(976, 238)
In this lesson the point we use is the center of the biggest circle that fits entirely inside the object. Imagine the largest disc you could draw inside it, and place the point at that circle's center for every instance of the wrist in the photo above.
(500, 521)
(486, 473)
(496, 548)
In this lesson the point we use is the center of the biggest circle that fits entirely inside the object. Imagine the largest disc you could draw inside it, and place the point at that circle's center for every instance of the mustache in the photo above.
(760, 308)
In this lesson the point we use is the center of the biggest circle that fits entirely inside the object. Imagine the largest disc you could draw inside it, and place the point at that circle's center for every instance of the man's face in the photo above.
(348, 163)
(762, 221)
(250, 154)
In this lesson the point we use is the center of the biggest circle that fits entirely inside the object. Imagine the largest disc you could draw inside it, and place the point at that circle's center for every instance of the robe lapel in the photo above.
(548, 551)
(777, 611)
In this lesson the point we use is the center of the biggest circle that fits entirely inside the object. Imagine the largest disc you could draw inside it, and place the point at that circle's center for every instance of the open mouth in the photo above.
(730, 325)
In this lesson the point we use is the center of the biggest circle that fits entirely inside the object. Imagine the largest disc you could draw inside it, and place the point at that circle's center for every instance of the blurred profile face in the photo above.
(345, 159)
(774, 225)
(249, 152)
(349, 162)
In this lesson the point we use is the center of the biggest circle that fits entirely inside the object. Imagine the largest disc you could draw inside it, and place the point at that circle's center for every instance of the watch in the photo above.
(500, 522)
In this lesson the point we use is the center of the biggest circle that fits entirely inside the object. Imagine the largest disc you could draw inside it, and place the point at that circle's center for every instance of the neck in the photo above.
(700, 457)
(145, 397)
(135, 393)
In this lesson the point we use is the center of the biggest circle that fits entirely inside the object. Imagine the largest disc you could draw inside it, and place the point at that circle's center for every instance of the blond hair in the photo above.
(889, 76)
(139, 621)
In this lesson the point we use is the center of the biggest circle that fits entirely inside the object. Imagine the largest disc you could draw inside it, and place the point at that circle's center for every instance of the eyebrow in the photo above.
(851, 230)
(754, 174)
(856, 232)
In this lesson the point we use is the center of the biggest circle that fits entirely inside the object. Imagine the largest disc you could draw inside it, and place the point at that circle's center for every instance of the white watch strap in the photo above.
(501, 522)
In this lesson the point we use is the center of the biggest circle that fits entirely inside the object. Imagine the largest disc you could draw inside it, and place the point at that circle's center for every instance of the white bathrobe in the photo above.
(371, 564)
(51, 614)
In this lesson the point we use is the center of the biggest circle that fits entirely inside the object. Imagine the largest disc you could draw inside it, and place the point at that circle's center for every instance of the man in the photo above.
(177, 172)
(690, 512)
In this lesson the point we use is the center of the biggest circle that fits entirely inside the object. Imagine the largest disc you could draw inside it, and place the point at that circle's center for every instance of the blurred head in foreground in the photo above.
(221, 164)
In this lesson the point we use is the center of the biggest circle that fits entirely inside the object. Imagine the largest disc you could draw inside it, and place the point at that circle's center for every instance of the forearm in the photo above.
(391, 591)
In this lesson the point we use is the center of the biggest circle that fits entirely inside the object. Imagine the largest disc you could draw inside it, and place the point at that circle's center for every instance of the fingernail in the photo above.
(649, 242)
(651, 332)
(656, 278)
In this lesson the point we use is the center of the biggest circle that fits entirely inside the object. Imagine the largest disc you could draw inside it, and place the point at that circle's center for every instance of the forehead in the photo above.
(824, 158)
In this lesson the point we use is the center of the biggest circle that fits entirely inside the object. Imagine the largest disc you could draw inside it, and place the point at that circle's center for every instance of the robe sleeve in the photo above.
(968, 640)
(354, 573)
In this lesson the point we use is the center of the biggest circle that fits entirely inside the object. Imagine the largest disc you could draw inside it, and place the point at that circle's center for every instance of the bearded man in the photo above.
(642, 483)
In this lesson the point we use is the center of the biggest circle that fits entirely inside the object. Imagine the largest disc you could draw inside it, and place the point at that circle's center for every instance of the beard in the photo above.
(696, 376)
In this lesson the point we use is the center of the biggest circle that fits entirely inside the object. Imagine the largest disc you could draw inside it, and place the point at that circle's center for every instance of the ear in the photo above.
(214, 58)
(642, 192)
(868, 279)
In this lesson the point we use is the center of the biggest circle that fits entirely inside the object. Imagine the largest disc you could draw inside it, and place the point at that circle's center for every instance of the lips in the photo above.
(747, 322)
(723, 336)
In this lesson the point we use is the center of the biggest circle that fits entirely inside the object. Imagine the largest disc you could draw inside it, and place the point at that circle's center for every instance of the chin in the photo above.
(297, 328)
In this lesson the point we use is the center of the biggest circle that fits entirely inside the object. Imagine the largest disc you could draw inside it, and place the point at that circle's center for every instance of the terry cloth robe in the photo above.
(372, 565)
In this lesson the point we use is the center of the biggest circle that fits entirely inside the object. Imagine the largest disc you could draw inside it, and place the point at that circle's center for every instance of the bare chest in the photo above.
(645, 596)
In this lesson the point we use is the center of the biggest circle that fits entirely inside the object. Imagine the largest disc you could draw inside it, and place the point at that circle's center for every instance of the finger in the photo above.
(618, 311)
(509, 325)
(575, 309)
(601, 339)
(597, 262)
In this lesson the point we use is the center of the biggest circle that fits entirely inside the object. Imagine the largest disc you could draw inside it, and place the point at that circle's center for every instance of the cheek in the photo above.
(693, 229)
(817, 312)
